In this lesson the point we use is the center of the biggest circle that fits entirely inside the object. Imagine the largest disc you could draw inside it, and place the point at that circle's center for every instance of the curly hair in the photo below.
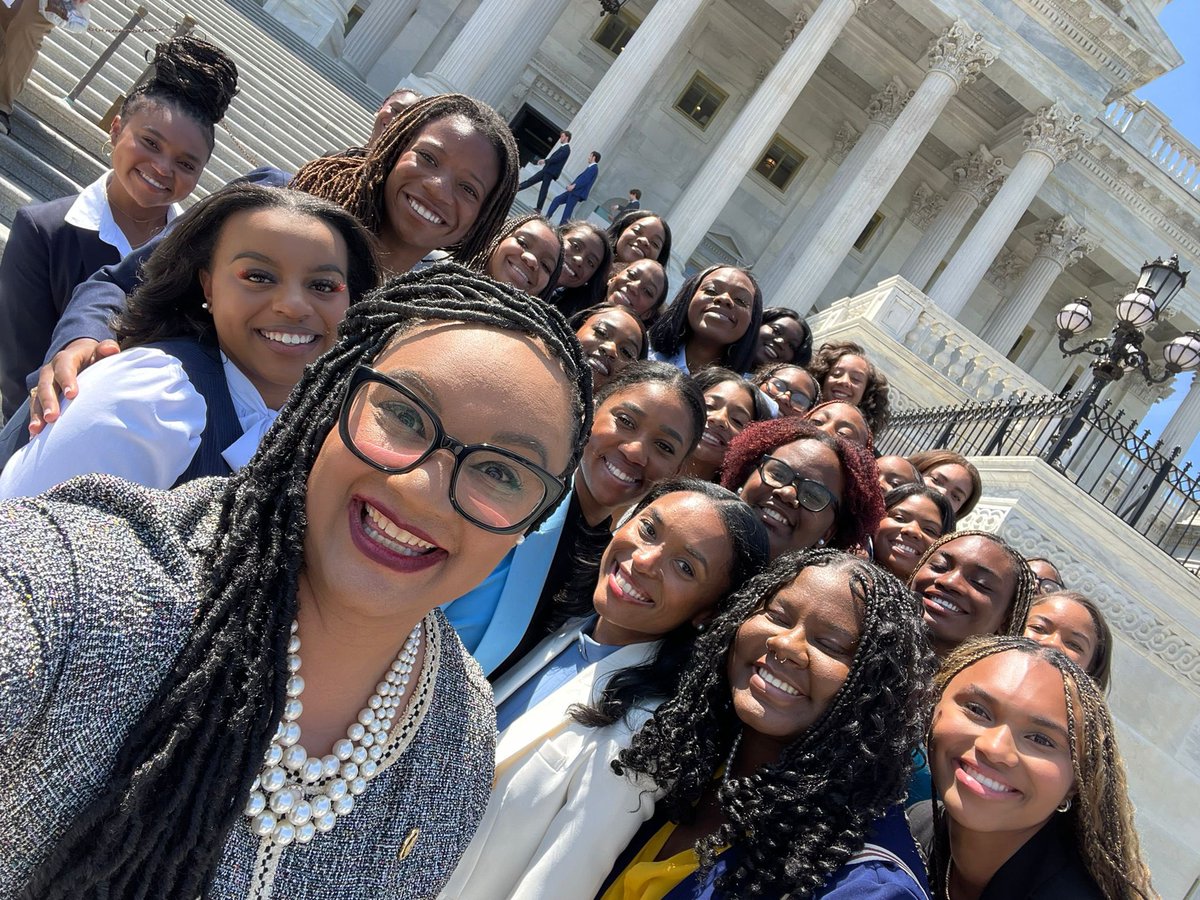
(158, 824)
(356, 181)
(804, 351)
(1101, 816)
(1024, 586)
(862, 501)
(617, 228)
(659, 676)
(672, 330)
(193, 76)
(168, 302)
(1100, 668)
(874, 404)
(481, 262)
(926, 460)
(798, 820)
(593, 291)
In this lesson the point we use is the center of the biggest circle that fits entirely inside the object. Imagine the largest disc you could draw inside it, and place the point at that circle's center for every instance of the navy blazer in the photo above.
(584, 181)
(44, 260)
(556, 161)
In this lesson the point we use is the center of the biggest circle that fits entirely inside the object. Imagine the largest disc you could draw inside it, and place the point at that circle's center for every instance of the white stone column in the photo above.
(955, 58)
(320, 22)
(494, 47)
(727, 164)
(606, 112)
(976, 179)
(1184, 425)
(375, 31)
(1052, 136)
(885, 106)
(1059, 245)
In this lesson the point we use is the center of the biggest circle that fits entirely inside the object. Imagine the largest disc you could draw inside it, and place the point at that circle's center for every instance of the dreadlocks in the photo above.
(356, 182)
(798, 820)
(1102, 816)
(159, 825)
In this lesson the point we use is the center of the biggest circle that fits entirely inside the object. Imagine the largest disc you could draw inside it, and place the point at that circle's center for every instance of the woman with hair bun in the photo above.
(162, 139)
(783, 755)
(1031, 797)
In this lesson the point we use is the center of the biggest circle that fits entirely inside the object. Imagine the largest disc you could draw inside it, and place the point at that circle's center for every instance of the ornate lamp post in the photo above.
(1122, 350)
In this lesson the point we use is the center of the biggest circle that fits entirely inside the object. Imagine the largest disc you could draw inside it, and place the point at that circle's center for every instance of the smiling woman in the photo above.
(527, 254)
(257, 662)
(236, 301)
(713, 320)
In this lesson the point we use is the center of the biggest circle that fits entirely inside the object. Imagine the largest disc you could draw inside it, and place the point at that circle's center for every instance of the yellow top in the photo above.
(648, 879)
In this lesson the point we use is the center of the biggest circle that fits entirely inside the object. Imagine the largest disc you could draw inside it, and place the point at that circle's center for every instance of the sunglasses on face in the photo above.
(390, 428)
(811, 495)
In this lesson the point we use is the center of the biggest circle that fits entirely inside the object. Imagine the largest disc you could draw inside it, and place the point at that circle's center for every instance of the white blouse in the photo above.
(137, 416)
(91, 211)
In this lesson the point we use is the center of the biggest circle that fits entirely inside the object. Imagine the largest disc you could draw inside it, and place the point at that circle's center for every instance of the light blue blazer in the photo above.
(520, 592)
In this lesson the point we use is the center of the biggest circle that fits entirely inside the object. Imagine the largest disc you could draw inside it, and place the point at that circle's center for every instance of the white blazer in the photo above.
(558, 816)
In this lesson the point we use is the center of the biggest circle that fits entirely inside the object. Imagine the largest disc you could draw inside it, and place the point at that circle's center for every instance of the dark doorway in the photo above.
(535, 134)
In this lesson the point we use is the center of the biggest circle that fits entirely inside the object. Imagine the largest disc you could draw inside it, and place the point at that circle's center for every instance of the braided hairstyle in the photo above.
(481, 261)
(1025, 589)
(159, 824)
(1101, 816)
(862, 501)
(672, 330)
(798, 820)
(191, 75)
(167, 304)
(874, 403)
(356, 182)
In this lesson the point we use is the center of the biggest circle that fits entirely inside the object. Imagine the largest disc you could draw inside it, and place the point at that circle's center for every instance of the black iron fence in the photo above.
(1092, 445)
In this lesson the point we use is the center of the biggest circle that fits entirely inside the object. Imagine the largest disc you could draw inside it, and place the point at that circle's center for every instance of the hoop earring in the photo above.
(107, 148)
(1064, 806)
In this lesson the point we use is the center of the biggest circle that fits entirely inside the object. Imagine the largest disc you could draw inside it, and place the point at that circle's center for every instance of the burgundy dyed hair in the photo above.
(862, 500)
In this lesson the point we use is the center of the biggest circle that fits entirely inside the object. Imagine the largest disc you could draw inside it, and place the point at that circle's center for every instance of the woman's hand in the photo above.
(59, 374)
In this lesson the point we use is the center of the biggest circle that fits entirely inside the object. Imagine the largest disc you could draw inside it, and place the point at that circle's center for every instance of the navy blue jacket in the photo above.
(44, 260)
(584, 181)
(556, 161)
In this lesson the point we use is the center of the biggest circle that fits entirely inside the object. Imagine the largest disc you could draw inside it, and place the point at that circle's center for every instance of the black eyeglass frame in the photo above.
(795, 482)
(555, 486)
(1056, 586)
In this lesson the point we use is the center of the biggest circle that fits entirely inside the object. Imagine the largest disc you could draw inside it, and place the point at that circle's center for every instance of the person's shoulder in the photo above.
(874, 880)
(48, 212)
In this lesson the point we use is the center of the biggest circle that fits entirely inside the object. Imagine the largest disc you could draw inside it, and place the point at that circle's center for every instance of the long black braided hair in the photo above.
(795, 822)
(158, 826)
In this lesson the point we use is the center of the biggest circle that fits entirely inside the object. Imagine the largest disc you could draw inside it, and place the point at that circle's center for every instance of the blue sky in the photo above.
(1178, 95)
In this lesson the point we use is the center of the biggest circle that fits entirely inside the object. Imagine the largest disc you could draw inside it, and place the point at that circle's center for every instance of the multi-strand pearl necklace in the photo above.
(297, 795)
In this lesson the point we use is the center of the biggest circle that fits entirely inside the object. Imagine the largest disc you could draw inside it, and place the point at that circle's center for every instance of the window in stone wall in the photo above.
(701, 100)
(1072, 380)
(352, 17)
(1021, 343)
(780, 163)
(615, 31)
(869, 231)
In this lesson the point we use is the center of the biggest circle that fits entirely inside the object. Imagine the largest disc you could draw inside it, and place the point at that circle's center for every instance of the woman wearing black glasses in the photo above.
(788, 388)
(198, 681)
(810, 489)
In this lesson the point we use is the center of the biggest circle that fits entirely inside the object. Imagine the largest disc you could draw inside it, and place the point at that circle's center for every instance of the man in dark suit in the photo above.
(578, 189)
(552, 167)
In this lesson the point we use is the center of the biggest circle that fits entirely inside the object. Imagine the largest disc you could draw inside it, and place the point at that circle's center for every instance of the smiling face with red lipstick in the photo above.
(374, 538)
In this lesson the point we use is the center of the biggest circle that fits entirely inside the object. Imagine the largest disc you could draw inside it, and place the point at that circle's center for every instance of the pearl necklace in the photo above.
(297, 795)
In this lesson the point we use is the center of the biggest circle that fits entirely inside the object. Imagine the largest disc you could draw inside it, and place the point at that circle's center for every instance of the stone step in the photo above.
(13, 196)
(55, 148)
(40, 179)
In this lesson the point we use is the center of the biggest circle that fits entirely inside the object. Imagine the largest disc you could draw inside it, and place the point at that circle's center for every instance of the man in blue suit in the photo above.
(552, 167)
(577, 190)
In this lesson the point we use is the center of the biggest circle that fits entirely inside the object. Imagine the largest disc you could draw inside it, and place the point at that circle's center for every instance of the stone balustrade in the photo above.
(929, 357)
(1146, 128)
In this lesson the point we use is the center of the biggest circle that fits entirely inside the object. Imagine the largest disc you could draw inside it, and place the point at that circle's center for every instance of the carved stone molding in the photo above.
(961, 53)
(979, 174)
(888, 102)
(844, 140)
(1125, 615)
(1004, 268)
(1063, 241)
(1057, 132)
(925, 205)
(794, 29)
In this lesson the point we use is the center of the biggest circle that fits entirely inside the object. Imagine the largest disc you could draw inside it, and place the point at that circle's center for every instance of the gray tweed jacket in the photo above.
(99, 582)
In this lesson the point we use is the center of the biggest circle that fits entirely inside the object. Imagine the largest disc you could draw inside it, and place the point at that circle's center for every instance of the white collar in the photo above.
(253, 414)
(92, 211)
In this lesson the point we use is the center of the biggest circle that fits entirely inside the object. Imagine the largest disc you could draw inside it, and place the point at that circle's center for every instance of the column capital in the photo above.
(888, 102)
(925, 205)
(844, 140)
(979, 174)
(859, 4)
(961, 53)
(1004, 268)
(1057, 132)
(793, 30)
(1063, 241)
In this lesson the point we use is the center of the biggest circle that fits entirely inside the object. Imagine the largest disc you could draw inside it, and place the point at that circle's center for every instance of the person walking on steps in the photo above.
(23, 27)
(552, 167)
(577, 190)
